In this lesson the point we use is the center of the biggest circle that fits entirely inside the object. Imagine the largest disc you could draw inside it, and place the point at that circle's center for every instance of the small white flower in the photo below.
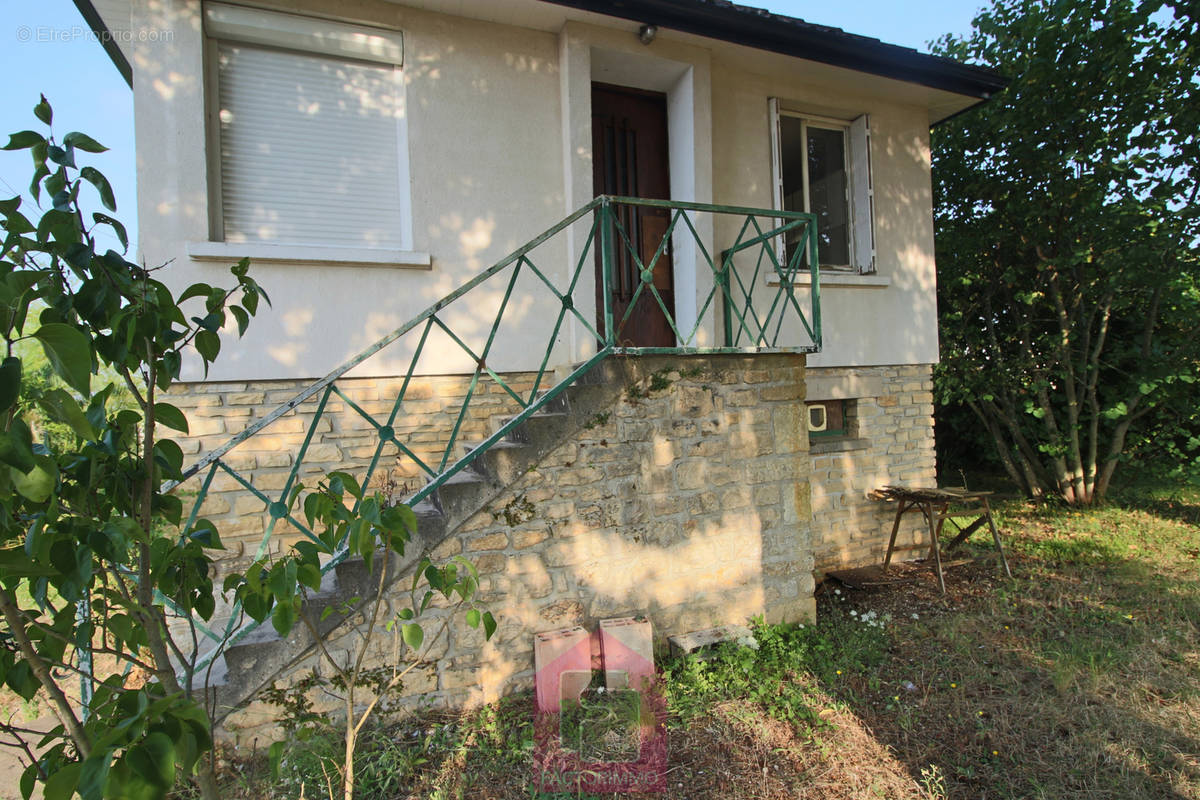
(854, 613)
(916, 616)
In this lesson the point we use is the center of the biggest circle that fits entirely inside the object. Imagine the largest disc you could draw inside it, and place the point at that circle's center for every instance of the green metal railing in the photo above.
(750, 305)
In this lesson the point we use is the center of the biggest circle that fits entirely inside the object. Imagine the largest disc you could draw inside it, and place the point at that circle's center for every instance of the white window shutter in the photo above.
(777, 172)
(862, 199)
(310, 149)
(776, 155)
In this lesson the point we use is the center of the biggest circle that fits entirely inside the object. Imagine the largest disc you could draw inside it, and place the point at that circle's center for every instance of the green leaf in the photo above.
(35, 185)
(208, 345)
(94, 774)
(274, 757)
(56, 181)
(60, 406)
(43, 111)
(83, 142)
(243, 319)
(38, 483)
(22, 140)
(210, 321)
(400, 517)
(310, 576)
(489, 624)
(70, 354)
(22, 681)
(284, 617)
(115, 224)
(61, 155)
(168, 455)
(340, 482)
(154, 760)
(62, 782)
(250, 301)
(413, 635)
(170, 416)
(29, 781)
(195, 290)
(95, 178)
(473, 617)
(257, 606)
(282, 580)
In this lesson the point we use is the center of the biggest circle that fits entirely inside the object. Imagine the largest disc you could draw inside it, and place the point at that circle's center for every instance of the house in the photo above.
(673, 405)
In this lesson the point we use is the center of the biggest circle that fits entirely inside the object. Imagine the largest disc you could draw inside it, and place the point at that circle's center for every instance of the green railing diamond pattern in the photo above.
(752, 297)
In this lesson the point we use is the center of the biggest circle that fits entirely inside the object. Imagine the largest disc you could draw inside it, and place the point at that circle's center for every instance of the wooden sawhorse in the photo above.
(934, 505)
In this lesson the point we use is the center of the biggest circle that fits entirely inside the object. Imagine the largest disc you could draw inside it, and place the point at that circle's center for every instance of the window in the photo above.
(822, 167)
(310, 142)
(828, 418)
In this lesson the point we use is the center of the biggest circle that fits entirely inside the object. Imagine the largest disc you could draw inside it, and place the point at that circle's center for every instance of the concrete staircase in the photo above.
(253, 662)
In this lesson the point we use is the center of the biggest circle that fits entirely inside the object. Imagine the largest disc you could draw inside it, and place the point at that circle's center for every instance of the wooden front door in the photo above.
(629, 146)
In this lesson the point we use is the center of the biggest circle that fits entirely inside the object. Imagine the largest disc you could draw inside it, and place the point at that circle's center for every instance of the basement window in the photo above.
(833, 426)
(830, 419)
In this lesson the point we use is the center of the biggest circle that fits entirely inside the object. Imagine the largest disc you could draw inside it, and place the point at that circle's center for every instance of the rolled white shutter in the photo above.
(862, 199)
(309, 149)
(303, 34)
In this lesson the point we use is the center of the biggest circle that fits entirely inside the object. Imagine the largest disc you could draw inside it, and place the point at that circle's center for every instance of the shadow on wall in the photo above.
(688, 503)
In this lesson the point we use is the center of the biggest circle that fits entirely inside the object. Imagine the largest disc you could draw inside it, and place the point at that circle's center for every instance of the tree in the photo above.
(91, 549)
(95, 557)
(1067, 230)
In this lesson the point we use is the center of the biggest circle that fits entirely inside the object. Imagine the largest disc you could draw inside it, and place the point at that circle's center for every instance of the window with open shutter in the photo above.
(822, 166)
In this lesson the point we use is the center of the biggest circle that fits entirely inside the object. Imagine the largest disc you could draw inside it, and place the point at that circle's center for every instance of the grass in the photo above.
(1079, 677)
(603, 725)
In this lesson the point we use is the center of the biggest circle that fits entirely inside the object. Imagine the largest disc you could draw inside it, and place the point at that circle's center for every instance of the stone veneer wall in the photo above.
(890, 441)
(687, 501)
(344, 440)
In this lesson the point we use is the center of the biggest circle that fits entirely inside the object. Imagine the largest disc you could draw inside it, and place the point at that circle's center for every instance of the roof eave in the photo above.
(107, 40)
(765, 31)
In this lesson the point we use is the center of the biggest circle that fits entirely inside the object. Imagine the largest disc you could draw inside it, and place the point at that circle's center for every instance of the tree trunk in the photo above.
(1002, 450)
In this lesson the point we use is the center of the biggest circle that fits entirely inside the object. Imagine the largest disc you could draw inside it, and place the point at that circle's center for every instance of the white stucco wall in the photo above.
(890, 318)
(499, 150)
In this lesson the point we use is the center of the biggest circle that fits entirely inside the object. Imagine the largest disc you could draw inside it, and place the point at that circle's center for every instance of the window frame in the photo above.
(843, 432)
(859, 181)
(284, 32)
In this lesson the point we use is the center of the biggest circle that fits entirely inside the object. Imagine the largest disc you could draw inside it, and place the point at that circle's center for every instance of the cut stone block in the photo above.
(685, 643)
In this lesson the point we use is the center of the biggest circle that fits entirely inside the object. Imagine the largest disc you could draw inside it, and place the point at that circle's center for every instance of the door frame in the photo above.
(590, 55)
(634, 218)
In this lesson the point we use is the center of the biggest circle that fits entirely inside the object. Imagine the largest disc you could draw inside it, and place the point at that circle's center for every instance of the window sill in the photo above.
(873, 281)
(818, 447)
(309, 254)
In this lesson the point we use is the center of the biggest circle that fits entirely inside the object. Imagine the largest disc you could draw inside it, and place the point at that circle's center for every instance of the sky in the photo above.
(46, 48)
